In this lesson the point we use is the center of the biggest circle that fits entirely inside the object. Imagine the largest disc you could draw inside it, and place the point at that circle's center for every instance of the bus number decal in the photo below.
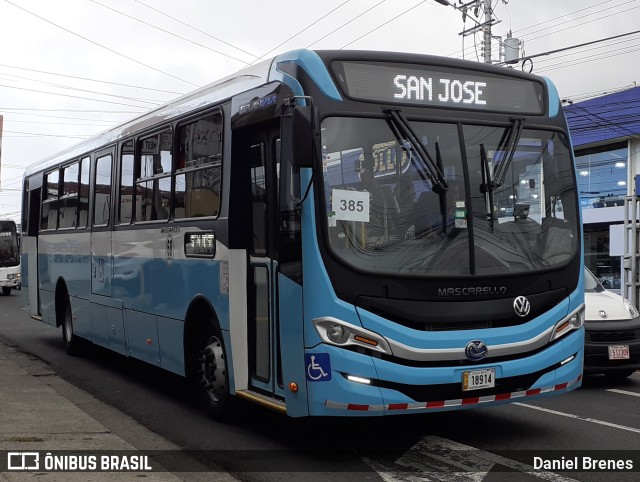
(350, 205)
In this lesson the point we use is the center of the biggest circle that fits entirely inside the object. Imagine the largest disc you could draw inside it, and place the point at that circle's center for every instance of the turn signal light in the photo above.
(365, 340)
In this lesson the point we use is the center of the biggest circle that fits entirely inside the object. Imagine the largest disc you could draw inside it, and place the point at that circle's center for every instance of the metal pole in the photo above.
(487, 31)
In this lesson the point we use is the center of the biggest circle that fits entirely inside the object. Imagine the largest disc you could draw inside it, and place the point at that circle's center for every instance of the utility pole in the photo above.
(486, 45)
(470, 10)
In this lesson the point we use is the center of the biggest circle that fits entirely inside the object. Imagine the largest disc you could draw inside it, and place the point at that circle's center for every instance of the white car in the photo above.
(612, 338)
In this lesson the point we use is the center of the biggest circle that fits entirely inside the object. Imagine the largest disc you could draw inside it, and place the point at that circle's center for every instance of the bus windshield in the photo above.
(507, 203)
(9, 255)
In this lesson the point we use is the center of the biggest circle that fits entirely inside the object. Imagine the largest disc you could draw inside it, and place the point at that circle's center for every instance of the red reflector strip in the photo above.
(355, 406)
(452, 403)
(398, 406)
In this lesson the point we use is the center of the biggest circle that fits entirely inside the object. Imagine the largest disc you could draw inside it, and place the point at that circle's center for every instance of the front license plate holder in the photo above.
(478, 379)
(618, 352)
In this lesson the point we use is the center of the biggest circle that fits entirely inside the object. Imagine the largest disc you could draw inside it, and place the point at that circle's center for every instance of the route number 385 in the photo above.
(350, 205)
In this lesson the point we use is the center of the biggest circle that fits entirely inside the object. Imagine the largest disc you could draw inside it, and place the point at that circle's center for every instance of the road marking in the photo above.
(439, 459)
(578, 417)
(623, 392)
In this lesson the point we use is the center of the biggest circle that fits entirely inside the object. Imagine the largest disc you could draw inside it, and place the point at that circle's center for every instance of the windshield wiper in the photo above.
(507, 146)
(487, 185)
(403, 131)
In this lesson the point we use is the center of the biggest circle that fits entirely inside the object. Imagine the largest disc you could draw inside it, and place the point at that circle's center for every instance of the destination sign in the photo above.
(439, 87)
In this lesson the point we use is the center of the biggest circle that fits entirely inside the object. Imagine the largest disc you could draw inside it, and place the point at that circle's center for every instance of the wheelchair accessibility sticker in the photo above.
(318, 367)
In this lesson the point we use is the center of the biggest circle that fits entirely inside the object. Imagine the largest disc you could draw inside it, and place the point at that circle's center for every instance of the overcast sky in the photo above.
(72, 68)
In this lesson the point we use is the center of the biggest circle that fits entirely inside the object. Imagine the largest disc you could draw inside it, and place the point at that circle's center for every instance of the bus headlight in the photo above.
(340, 333)
(572, 322)
(336, 333)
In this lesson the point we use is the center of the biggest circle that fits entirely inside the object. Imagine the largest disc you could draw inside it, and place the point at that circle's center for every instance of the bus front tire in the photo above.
(6, 290)
(213, 378)
(71, 341)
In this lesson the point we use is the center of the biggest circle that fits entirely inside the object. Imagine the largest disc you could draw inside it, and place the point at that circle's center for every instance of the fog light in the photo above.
(353, 378)
(564, 362)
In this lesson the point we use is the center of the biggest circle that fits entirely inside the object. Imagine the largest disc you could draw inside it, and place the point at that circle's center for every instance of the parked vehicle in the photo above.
(612, 341)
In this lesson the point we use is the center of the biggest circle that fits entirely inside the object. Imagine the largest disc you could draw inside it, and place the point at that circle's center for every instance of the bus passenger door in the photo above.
(265, 366)
(29, 249)
(101, 249)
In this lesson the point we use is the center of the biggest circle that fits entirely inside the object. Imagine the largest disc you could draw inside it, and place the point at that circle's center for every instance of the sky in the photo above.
(70, 69)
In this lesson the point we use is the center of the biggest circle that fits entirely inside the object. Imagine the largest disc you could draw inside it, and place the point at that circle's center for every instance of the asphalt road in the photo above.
(601, 421)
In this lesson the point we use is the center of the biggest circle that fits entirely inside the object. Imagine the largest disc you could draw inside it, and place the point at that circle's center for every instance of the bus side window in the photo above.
(199, 168)
(83, 194)
(258, 200)
(102, 192)
(68, 206)
(125, 201)
(153, 184)
(50, 202)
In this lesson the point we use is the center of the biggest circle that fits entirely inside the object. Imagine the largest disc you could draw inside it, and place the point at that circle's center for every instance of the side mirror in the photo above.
(306, 136)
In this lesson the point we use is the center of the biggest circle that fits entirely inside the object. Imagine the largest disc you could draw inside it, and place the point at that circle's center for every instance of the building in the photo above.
(605, 132)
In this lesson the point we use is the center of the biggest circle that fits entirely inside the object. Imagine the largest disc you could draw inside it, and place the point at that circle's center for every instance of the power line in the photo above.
(347, 23)
(168, 32)
(99, 45)
(72, 96)
(91, 80)
(33, 134)
(383, 24)
(107, 121)
(528, 57)
(301, 31)
(194, 28)
(59, 86)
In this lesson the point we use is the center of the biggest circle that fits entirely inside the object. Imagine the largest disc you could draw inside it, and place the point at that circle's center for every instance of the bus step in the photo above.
(269, 402)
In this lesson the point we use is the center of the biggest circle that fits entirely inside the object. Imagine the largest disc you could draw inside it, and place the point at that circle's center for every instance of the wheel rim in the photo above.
(68, 328)
(212, 372)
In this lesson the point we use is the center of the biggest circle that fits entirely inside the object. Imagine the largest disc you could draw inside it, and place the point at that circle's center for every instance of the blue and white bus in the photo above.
(9, 256)
(325, 233)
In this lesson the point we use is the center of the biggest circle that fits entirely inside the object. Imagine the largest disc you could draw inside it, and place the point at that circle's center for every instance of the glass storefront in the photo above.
(602, 176)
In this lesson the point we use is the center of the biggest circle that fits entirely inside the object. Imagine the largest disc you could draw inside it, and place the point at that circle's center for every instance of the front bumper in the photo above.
(395, 389)
(10, 283)
(600, 335)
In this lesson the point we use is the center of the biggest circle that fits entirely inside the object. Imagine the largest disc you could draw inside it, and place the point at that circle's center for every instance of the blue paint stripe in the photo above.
(313, 65)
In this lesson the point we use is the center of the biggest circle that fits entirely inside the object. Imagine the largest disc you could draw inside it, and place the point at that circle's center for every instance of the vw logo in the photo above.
(476, 350)
(521, 306)
(602, 314)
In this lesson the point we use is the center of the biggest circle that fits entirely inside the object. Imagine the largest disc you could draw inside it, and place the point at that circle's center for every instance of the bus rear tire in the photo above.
(71, 341)
(213, 377)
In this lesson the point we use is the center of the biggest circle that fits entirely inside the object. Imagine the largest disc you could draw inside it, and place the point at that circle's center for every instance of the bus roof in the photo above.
(217, 91)
(243, 80)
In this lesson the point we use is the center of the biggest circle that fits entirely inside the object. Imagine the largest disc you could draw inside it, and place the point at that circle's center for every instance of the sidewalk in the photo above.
(41, 412)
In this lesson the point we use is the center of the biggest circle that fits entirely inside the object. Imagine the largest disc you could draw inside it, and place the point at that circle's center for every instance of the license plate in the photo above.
(477, 379)
(618, 352)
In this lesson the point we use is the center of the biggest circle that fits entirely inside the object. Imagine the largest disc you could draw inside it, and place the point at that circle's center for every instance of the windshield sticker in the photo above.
(350, 205)
(461, 215)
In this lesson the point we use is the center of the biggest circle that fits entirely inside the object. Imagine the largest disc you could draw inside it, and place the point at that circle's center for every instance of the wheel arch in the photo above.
(200, 318)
